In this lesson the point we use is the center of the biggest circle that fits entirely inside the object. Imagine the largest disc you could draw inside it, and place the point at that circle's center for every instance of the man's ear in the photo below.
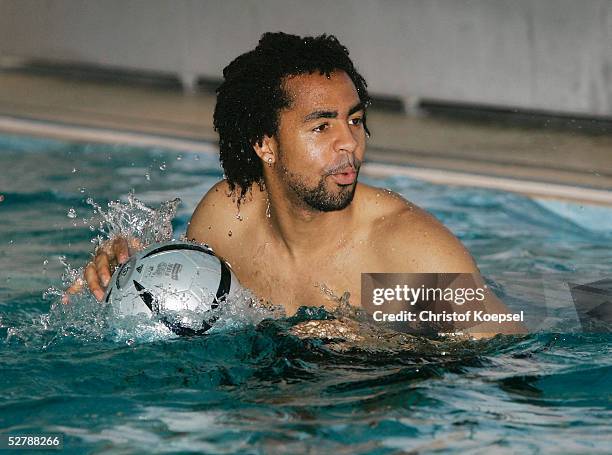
(266, 149)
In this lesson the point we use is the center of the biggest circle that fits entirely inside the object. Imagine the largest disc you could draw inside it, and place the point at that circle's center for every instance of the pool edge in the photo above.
(379, 168)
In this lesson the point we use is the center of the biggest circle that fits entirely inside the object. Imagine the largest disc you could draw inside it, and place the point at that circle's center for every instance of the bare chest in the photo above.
(312, 280)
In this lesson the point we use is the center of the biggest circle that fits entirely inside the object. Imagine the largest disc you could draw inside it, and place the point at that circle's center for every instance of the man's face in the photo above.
(321, 140)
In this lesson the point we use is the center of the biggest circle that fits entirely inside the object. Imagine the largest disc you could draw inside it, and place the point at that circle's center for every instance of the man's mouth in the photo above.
(345, 178)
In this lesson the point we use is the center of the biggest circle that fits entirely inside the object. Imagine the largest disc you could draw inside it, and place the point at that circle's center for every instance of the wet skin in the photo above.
(304, 232)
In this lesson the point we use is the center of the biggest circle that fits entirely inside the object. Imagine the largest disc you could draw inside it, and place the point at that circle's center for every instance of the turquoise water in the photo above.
(256, 388)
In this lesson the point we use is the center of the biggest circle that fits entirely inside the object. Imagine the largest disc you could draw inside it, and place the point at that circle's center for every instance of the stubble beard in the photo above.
(319, 198)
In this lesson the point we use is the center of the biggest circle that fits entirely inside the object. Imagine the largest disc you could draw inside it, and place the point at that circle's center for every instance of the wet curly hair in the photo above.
(251, 96)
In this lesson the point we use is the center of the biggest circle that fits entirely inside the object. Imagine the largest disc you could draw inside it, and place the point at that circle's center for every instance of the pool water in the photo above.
(257, 389)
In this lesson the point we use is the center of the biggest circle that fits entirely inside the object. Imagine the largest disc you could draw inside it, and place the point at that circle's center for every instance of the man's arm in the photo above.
(437, 250)
(205, 227)
(206, 221)
(215, 221)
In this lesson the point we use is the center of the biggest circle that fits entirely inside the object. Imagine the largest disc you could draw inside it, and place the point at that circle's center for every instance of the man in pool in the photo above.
(290, 216)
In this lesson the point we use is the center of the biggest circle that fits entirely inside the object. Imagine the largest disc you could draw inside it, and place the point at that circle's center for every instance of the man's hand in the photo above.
(99, 271)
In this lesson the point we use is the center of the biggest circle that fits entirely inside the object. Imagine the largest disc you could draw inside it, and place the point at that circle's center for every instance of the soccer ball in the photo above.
(173, 279)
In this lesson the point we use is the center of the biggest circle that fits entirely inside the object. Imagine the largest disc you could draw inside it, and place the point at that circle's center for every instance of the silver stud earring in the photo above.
(270, 161)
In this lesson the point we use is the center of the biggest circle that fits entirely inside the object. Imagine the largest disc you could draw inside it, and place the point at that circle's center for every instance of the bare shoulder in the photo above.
(218, 219)
(410, 238)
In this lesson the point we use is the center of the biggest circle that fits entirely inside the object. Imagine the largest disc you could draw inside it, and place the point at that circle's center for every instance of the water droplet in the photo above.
(71, 213)
(179, 158)
(82, 189)
(229, 233)
(162, 167)
(74, 170)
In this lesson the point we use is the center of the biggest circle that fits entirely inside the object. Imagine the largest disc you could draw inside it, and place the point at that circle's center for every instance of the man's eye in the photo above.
(321, 128)
(356, 121)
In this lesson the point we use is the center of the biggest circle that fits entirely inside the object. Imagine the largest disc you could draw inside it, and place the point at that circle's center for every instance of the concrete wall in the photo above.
(553, 55)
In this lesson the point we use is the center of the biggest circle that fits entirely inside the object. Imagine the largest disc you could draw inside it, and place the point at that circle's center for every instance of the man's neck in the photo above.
(305, 230)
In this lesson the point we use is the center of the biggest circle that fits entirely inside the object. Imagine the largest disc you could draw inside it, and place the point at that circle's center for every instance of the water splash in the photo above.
(134, 220)
(86, 320)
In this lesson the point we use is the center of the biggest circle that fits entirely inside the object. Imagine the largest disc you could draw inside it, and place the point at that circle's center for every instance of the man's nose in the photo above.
(345, 140)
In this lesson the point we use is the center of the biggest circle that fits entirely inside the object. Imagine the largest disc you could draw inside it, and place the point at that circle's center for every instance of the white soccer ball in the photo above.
(173, 279)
